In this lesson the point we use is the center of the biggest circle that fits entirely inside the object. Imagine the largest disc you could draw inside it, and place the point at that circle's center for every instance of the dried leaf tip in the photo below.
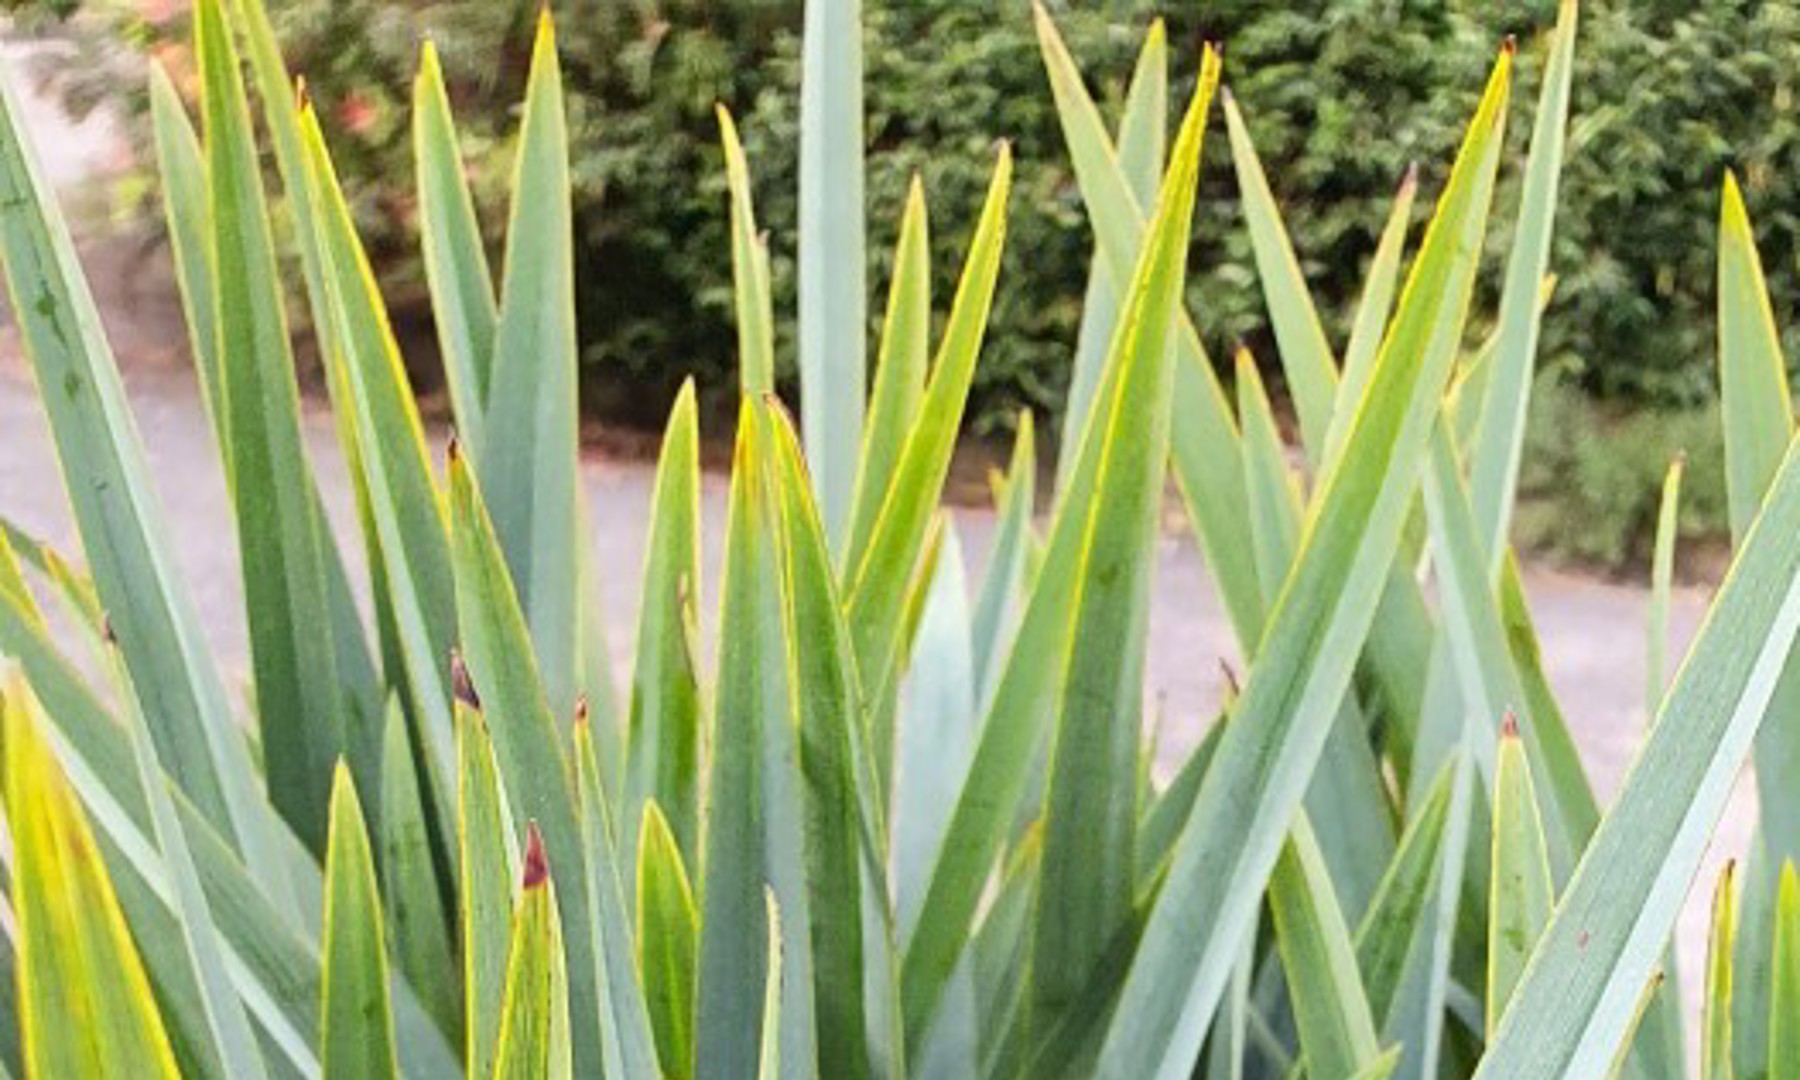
(1226, 95)
(1509, 725)
(453, 449)
(1410, 178)
(302, 97)
(1510, 45)
(107, 634)
(581, 711)
(461, 685)
(537, 867)
(1232, 687)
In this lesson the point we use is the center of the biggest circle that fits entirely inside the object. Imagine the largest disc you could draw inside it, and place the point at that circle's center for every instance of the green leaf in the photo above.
(1337, 1032)
(229, 1036)
(299, 715)
(1500, 439)
(1387, 933)
(183, 172)
(937, 731)
(358, 1034)
(1088, 887)
(405, 511)
(769, 1059)
(1143, 141)
(664, 733)
(1306, 356)
(627, 1044)
(839, 830)
(534, 1015)
(1662, 575)
(528, 463)
(1205, 443)
(876, 586)
(900, 369)
(118, 515)
(1522, 891)
(1716, 1006)
(421, 926)
(1784, 993)
(996, 615)
(85, 1004)
(751, 693)
(1372, 312)
(667, 931)
(1577, 999)
(528, 746)
(1305, 662)
(833, 297)
(490, 866)
(749, 271)
(456, 265)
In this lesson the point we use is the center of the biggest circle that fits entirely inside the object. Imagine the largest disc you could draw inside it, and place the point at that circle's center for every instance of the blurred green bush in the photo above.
(1340, 96)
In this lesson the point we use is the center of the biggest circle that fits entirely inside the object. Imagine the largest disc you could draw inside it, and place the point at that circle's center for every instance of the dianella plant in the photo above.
(876, 816)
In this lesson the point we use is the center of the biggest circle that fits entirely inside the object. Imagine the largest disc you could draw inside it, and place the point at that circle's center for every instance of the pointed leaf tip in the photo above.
(1509, 725)
(462, 685)
(537, 867)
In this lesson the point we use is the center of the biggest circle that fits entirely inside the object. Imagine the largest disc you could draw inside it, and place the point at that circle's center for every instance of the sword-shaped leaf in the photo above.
(530, 444)
(357, 1040)
(534, 1015)
(749, 271)
(663, 739)
(85, 1004)
(1088, 885)
(1522, 890)
(833, 298)
(1197, 925)
(456, 265)
(1716, 1006)
(668, 927)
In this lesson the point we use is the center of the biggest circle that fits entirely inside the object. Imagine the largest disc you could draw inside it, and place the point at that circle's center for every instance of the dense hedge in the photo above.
(1340, 95)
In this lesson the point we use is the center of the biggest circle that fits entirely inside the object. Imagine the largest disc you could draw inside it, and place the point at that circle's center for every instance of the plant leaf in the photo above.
(85, 1005)
(456, 265)
(490, 865)
(900, 370)
(1578, 996)
(668, 928)
(1337, 1032)
(119, 517)
(1662, 575)
(409, 882)
(358, 1033)
(833, 298)
(1716, 1007)
(664, 733)
(1304, 664)
(1088, 878)
(1523, 892)
(528, 463)
(749, 271)
(1143, 141)
(534, 1015)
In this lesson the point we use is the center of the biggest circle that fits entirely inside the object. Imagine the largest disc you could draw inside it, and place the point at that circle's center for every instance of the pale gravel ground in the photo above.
(1592, 630)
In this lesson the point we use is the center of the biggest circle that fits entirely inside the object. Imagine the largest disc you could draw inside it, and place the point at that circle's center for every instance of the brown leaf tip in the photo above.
(453, 449)
(1509, 725)
(1510, 45)
(107, 634)
(1410, 178)
(1231, 679)
(581, 711)
(461, 685)
(302, 98)
(537, 868)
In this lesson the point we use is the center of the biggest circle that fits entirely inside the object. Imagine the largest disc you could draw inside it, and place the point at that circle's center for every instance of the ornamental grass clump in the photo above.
(905, 822)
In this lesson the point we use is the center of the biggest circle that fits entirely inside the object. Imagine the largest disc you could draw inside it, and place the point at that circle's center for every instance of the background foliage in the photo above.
(1340, 95)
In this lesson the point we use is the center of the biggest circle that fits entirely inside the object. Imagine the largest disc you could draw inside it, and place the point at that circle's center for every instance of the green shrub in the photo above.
(887, 825)
(1341, 96)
